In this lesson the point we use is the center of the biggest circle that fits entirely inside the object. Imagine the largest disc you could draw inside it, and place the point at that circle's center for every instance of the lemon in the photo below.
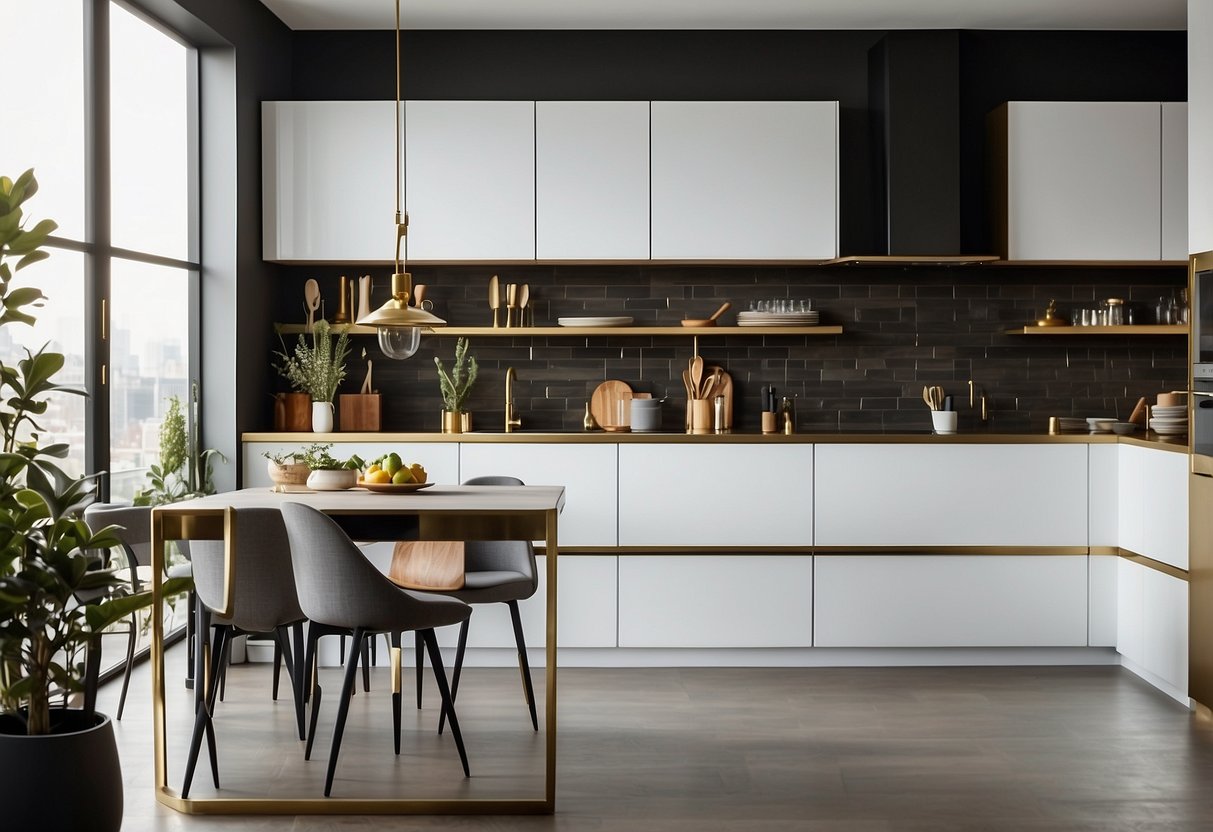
(374, 467)
(419, 474)
(379, 476)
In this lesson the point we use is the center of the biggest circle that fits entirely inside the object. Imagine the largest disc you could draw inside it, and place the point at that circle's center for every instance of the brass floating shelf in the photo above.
(1140, 329)
(912, 260)
(583, 331)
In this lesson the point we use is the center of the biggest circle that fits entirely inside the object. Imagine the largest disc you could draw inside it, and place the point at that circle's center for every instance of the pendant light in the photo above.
(398, 324)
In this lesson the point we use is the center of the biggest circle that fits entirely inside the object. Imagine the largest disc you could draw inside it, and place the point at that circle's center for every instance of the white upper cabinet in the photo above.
(744, 180)
(1082, 180)
(592, 180)
(470, 179)
(1174, 180)
(328, 188)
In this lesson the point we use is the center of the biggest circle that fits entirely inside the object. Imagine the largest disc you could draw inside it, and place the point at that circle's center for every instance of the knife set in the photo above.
(517, 300)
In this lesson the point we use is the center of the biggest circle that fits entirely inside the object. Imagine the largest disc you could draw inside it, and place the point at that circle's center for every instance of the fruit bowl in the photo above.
(393, 488)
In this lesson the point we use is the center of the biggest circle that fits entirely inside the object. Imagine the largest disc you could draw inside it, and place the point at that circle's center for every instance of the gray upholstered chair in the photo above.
(264, 600)
(340, 589)
(495, 572)
(135, 534)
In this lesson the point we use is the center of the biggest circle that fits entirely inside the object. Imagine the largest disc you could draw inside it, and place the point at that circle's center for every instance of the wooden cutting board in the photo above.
(605, 405)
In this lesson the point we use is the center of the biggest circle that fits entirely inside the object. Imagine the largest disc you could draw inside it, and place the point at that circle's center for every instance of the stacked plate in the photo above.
(1073, 423)
(1169, 421)
(602, 320)
(778, 318)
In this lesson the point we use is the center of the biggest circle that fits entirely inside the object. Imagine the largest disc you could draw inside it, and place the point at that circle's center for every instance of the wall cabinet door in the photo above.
(327, 184)
(470, 179)
(715, 495)
(950, 495)
(715, 601)
(950, 601)
(1153, 504)
(587, 472)
(1174, 180)
(1083, 180)
(592, 180)
(744, 180)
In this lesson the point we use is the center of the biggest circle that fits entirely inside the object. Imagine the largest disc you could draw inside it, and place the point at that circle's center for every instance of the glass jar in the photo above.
(1115, 311)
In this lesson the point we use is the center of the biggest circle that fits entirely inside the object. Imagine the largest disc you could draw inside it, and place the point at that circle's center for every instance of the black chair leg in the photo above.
(343, 706)
(277, 669)
(523, 663)
(419, 643)
(459, 651)
(397, 696)
(130, 663)
(366, 662)
(431, 643)
(299, 680)
(312, 680)
(282, 646)
(203, 713)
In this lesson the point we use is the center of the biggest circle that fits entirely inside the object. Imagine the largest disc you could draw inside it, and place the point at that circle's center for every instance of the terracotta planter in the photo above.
(293, 473)
(68, 780)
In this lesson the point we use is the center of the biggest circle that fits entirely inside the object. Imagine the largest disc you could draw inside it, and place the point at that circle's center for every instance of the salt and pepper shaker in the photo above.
(718, 414)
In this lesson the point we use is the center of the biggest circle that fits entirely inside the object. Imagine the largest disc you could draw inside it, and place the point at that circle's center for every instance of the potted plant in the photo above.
(54, 601)
(327, 472)
(286, 468)
(455, 387)
(316, 369)
(183, 472)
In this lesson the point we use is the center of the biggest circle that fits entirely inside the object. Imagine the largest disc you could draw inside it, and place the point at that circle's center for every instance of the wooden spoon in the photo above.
(724, 307)
(696, 369)
(494, 298)
(524, 297)
(418, 294)
(686, 382)
(311, 297)
(511, 302)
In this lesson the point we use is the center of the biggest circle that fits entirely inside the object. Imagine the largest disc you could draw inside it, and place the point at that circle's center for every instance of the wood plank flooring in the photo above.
(705, 749)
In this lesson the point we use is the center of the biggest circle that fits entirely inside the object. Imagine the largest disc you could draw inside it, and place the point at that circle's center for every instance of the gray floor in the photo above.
(851, 749)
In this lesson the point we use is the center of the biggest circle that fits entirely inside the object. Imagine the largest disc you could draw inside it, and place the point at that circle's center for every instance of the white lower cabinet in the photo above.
(587, 472)
(1152, 628)
(440, 460)
(1102, 600)
(715, 601)
(1153, 504)
(950, 601)
(716, 495)
(585, 609)
(950, 495)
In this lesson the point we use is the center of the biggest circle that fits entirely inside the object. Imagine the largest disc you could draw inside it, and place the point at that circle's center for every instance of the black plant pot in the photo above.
(70, 779)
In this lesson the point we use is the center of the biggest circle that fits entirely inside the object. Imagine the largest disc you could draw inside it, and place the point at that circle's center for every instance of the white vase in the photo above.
(322, 417)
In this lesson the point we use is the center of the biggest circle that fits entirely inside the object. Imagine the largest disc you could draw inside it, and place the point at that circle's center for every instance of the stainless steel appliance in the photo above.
(1200, 481)
(1201, 412)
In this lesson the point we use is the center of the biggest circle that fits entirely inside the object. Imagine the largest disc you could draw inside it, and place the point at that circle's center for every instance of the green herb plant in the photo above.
(457, 384)
(318, 458)
(317, 368)
(183, 472)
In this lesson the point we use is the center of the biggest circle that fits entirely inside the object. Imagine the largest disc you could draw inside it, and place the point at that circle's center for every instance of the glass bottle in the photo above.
(1115, 312)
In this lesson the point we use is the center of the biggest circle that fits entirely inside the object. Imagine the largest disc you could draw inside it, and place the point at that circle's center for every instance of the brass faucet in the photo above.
(511, 421)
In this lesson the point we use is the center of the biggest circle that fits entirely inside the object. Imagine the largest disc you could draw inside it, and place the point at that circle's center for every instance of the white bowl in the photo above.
(332, 479)
(1100, 424)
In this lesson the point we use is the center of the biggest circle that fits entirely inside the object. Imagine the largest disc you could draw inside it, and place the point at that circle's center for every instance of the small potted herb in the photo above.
(327, 472)
(286, 468)
(455, 387)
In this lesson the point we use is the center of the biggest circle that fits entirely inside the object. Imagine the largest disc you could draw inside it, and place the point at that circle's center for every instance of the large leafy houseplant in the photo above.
(47, 553)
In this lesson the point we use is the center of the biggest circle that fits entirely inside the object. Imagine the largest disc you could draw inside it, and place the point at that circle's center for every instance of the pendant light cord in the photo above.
(402, 223)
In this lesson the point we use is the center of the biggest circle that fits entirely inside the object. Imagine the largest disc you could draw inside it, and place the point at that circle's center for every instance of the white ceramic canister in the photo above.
(646, 414)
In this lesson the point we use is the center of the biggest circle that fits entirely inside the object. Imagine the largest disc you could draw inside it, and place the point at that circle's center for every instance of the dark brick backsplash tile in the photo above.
(904, 328)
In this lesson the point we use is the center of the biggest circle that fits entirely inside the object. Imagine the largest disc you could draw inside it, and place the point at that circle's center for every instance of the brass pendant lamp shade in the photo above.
(398, 324)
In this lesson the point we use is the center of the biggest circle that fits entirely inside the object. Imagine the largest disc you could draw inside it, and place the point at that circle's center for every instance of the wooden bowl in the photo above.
(290, 474)
(697, 322)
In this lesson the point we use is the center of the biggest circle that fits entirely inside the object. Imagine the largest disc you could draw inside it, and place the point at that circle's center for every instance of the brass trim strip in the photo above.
(1044, 551)
(349, 806)
(594, 437)
(1111, 551)
(1156, 565)
(593, 331)
(1135, 329)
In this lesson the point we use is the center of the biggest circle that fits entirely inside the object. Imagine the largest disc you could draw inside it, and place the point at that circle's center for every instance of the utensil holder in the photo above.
(701, 416)
(944, 421)
(769, 422)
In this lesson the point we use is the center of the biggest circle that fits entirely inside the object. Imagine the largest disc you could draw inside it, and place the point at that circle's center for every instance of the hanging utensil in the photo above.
(366, 382)
(494, 298)
(524, 297)
(311, 298)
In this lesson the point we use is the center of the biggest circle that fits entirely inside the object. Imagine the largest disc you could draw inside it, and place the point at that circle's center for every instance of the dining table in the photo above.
(439, 512)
